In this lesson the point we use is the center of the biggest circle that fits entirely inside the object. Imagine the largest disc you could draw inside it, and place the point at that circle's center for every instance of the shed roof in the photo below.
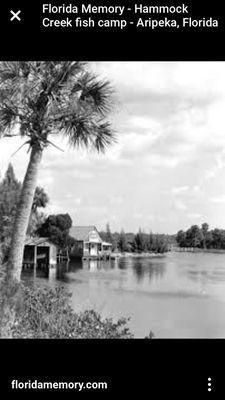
(35, 241)
(81, 232)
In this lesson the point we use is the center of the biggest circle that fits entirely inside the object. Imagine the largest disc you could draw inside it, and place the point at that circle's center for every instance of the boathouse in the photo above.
(89, 243)
(39, 252)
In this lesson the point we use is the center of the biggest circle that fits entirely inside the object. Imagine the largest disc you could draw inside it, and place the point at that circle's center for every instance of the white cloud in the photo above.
(137, 215)
(179, 190)
(194, 215)
(54, 209)
(145, 123)
(162, 161)
(218, 199)
(179, 205)
(219, 164)
(117, 200)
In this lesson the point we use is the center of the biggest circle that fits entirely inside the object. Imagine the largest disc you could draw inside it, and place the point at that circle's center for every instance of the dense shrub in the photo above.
(46, 313)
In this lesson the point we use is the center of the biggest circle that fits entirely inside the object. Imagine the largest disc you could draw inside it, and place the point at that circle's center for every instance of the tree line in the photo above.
(201, 237)
(139, 242)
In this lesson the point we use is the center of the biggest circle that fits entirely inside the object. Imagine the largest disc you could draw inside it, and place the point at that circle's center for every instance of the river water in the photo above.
(180, 295)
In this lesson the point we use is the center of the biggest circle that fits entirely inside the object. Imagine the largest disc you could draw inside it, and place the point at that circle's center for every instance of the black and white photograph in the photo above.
(112, 200)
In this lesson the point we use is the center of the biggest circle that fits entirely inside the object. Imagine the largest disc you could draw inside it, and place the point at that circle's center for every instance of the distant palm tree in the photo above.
(39, 99)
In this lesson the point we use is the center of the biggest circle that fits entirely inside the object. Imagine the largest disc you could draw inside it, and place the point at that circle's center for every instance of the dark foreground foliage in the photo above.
(46, 313)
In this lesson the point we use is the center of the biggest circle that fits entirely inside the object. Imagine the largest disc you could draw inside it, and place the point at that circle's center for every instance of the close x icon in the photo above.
(15, 15)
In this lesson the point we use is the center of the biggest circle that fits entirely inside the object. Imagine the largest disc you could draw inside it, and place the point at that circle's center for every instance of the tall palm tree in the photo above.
(37, 100)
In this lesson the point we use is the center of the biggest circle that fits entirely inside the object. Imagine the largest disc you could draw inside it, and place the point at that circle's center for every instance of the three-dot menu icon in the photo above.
(209, 384)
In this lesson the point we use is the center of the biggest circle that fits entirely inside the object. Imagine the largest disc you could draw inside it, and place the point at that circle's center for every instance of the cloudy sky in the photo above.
(167, 169)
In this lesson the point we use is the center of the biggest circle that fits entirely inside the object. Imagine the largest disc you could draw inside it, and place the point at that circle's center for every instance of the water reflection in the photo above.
(141, 268)
(175, 268)
(154, 271)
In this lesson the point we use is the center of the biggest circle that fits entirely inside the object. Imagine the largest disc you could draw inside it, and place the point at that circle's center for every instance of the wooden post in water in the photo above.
(35, 261)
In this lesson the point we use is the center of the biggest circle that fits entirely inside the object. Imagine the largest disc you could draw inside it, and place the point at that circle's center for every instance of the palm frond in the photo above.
(7, 120)
(8, 71)
(97, 92)
(61, 74)
(46, 97)
(87, 131)
(25, 68)
(78, 130)
(104, 137)
(69, 70)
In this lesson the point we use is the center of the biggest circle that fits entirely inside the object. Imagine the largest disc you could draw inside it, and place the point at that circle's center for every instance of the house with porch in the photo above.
(88, 243)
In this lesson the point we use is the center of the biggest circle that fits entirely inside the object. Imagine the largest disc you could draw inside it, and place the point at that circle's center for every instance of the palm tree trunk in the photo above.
(10, 289)
(23, 214)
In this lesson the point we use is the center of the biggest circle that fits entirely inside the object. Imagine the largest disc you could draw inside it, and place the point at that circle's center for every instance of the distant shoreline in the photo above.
(161, 255)
(197, 250)
(137, 255)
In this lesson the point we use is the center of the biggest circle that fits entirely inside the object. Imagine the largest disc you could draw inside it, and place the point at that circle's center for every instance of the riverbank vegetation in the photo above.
(46, 313)
(202, 237)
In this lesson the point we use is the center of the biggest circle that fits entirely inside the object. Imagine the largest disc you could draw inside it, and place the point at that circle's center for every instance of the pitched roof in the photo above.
(81, 232)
